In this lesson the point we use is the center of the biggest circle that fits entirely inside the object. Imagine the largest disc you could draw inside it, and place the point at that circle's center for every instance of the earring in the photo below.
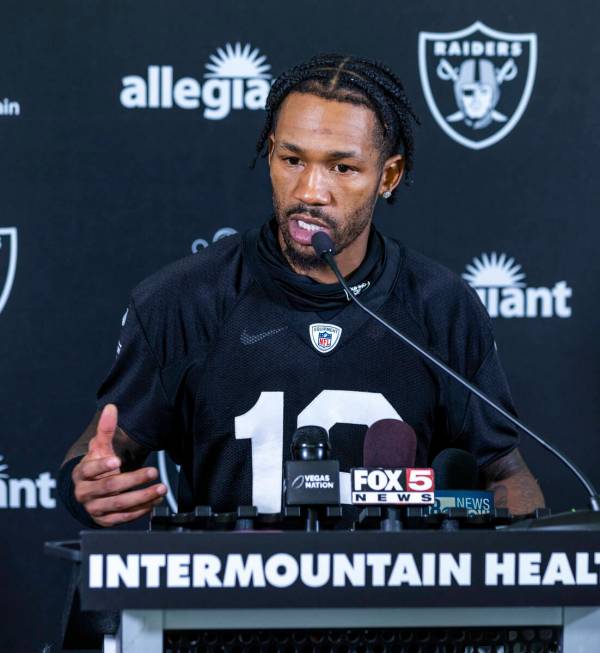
(387, 195)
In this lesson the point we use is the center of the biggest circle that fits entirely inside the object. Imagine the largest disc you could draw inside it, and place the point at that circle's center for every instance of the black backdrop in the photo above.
(99, 195)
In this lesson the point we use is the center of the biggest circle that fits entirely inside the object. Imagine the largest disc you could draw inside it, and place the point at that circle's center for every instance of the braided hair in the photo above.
(355, 80)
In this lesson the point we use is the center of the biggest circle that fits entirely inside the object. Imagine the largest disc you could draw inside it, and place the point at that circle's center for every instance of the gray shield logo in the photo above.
(477, 81)
(8, 262)
(169, 476)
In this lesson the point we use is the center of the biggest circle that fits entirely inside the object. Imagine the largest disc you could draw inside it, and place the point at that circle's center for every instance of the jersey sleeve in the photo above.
(135, 386)
(463, 337)
(476, 426)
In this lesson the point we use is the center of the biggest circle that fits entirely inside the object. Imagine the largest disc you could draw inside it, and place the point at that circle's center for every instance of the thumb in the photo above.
(101, 444)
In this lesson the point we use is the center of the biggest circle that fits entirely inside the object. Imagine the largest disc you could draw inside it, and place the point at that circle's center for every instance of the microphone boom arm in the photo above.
(327, 254)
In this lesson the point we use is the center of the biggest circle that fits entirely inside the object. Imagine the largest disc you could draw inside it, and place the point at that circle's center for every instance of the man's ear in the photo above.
(393, 170)
(271, 147)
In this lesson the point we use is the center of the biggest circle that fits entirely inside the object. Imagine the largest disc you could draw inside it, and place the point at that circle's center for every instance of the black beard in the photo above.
(299, 260)
(306, 259)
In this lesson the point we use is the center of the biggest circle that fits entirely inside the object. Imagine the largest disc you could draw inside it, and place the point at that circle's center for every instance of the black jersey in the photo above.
(218, 367)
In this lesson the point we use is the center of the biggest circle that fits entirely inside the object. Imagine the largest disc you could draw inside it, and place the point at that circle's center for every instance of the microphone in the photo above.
(390, 446)
(456, 476)
(311, 443)
(325, 248)
(322, 244)
(390, 443)
(454, 469)
(311, 479)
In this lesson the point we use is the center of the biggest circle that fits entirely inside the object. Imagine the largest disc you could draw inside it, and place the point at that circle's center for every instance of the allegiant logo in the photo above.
(500, 284)
(236, 78)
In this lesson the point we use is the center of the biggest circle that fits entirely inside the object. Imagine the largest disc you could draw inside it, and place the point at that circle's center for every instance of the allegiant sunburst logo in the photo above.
(235, 62)
(500, 284)
(237, 77)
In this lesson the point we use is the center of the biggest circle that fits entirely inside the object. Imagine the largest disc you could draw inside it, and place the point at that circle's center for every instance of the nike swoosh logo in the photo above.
(252, 338)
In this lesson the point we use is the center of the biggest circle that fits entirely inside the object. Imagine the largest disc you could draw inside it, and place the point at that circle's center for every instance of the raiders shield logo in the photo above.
(8, 262)
(477, 81)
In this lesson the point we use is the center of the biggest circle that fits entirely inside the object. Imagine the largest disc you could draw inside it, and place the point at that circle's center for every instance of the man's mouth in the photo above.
(309, 225)
(302, 230)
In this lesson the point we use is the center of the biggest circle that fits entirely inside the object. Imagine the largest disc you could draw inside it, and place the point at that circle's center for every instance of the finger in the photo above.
(91, 469)
(125, 501)
(150, 504)
(123, 517)
(125, 481)
(101, 443)
(107, 485)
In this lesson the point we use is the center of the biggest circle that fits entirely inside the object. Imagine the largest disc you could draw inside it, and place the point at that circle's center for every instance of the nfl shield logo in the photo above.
(8, 262)
(324, 337)
(477, 81)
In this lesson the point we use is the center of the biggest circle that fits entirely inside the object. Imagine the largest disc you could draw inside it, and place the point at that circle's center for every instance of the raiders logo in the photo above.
(477, 81)
(8, 262)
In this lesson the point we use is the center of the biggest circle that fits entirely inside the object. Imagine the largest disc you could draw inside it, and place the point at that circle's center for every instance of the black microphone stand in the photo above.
(587, 520)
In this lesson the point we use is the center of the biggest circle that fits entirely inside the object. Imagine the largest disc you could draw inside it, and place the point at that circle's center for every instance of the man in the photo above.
(223, 354)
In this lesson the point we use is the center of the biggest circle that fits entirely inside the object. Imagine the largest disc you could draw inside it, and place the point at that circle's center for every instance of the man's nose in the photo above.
(312, 187)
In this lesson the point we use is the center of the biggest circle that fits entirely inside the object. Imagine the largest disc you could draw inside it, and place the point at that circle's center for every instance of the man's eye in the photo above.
(292, 160)
(343, 168)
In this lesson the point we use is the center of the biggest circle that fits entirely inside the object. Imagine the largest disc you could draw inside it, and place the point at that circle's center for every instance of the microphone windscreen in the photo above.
(390, 443)
(455, 469)
(322, 243)
(310, 443)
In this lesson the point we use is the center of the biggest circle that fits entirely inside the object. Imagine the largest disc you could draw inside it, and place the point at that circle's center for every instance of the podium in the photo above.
(493, 591)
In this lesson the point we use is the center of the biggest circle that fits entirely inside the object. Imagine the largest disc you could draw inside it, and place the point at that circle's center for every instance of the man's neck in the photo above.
(348, 261)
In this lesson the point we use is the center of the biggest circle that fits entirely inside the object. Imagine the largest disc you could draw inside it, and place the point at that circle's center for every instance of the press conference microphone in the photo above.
(311, 478)
(455, 469)
(325, 249)
(391, 444)
(311, 443)
(456, 476)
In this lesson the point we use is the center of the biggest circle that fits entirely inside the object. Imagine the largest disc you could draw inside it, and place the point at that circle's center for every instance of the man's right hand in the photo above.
(109, 495)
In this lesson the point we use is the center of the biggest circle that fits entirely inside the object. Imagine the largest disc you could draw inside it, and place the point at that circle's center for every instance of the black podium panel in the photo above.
(129, 570)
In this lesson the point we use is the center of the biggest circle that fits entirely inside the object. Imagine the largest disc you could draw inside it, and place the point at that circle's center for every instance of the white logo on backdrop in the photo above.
(201, 243)
(237, 77)
(9, 108)
(477, 81)
(26, 492)
(500, 284)
(8, 262)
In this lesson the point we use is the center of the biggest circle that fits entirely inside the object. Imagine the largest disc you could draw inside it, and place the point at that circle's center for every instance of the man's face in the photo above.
(326, 172)
(477, 99)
